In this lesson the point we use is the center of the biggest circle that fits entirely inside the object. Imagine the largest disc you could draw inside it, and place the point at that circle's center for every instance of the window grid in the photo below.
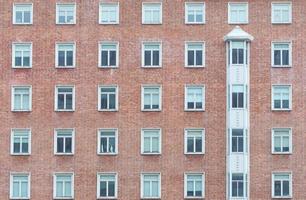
(237, 96)
(194, 54)
(194, 185)
(281, 141)
(20, 186)
(108, 98)
(281, 13)
(21, 142)
(109, 13)
(281, 97)
(152, 13)
(151, 98)
(194, 141)
(107, 185)
(152, 138)
(281, 54)
(237, 141)
(63, 186)
(108, 54)
(238, 185)
(281, 185)
(65, 13)
(151, 54)
(107, 141)
(22, 55)
(150, 185)
(194, 98)
(64, 142)
(238, 13)
(65, 55)
(23, 13)
(195, 13)
(21, 98)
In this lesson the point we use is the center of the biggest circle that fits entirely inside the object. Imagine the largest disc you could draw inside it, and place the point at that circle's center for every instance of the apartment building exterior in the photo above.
(172, 99)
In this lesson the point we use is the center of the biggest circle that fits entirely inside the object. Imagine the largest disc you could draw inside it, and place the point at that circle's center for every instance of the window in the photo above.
(237, 141)
(151, 141)
(65, 13)
(107, 185)
(109, 13)
(281, 13)
(107, 141)
(238, 13)
(194, 56)
(21, 98)
(64, 142)
(194, 141)
(281, 141)
(150, 185)
(194, 185)
(108, 98)
(63, 186)
(238, 96)
(151, 13)
(23, 13)
(64, 98)
(194, 98)
(109, 55)
(194, 13)
(281, 97)
(237, 53)
(151, 54)
(65, 55)
(237, 185)
(281, 54)
(281, 185)
(21, 142)
(151, 98)
(22, 55)
(20, 186)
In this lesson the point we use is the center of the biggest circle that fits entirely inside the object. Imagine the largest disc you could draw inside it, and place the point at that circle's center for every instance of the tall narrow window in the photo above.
(64, 142)
(108, 98)
(281, 13)
(237, 96)
(23, 13)
(194, 98)
(107, 185)
(151, 141)
(194, 185)
(20, 186)
(22, 55)
(194, 54)
(237, 185)
(281, 97)
(238, 13)
(150, 185)
(108, 141)
(63, 186)
(282, 185)
(109, 13)
(109, 55)
(194, 13)
(21, 142)
(194, 141)
(65, 13)
(281, 54)
(151, 13)
(64, 98)
(65, 55)
(151, 98)
(237, 141)
(237, 52)
(21, 98)
(151, 54)
(281, 141)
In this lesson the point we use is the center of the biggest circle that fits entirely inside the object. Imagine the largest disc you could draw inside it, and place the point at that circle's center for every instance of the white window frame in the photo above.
(160, 13)
(100, 54)
(229, 12)
(116, 141)
(290, 97)
(117, 98)
(57, 13)
(56, 98)
(143, 54)
(13, 98)
(14, 44)
(290, 184)
(72, 140)
(290, 53)
(203, 184)
(187, 43)
(72, 184)
(280, 3)
(195, 3)
(160, 141)
(98, 184)
(117, 16)
(29, 141)
(142, 184)
(186, 141)
(56, 55)
(160, 97)
(14, 13)
(186, 97)
(290, 140)
(12, 174)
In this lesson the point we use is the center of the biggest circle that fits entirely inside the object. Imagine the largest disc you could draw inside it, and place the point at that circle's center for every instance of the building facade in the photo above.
(172, 99)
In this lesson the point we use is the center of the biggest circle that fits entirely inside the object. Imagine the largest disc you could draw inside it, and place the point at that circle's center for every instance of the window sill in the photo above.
(63, 154)
(281, 23)
(108, 67)
(151, 66)
(64, 67)
(151, 110)
(17, 67)
(20, 154)
(281, 153)
(195, 154)
(150, 197)
(64, 110)
(66, 198)
(237, 23)
(194, 23)
(152, 23)
(150, 154)
(21, 111)
(110, 110)
(194, 197)
(107, 154)
(19, 198)
(281, 66)
(194, 110)
(109, 23)
(282, 197)
(73, 23)
(23, 24)
(281, 110)
(107, 198)
(195, 66)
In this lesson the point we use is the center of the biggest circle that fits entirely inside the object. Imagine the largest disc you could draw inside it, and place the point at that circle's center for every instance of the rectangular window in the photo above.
(108, 98)
(107, 186)
(238, 53)
(151, 98)
(281, 185)
(237, 141)
(109, 13)
(21, 142)
(152, 13)
(195, 13)
(194, 185)
(238, 96)
(22, 55)
(281, 141)
(109, 54)
(65, 13)
(64, 98)
(194, 141)
(151, 54)
(65, 55)
(20, 186)
(281, 54)
(281, 13)
(194, 55)
(150, 185)
(64, 142)
(281, 97)
(21, 98)
(23, 13)
(108, 141)
(63, 186)
(238, 13)
(237, 185)
(151, 141)
(194, 98)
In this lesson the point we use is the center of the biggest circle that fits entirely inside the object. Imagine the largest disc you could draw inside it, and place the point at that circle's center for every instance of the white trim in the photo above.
(160, 141)
(57, 13)
(99, 141)
(142, 185)
(290, 184)
(12, 174)
(186, 96)
(203, 141)
(290, 12)
(160, 15)
(98, 184)
(14, 15)
(117, 17)
(56, 97)
(203, 184)
(203, 54)
(99, 54)
(117, 98)
(194, 3)
(13, 97)
(143, 86)
(14, 44)
(290, 54)
(12, 141)
(290, 97)
(72, 141)
(74, 55)
(229, 14)
(55, 174)
(143, 54)
(290, 140)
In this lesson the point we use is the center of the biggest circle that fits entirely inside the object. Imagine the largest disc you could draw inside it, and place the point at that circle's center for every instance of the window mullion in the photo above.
(65, 101)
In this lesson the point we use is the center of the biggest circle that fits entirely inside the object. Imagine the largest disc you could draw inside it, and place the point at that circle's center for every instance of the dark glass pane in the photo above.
(237, 132)
(285, 58)
(240, 189)
(277, 188)
(61, 19)
(147, 58)
(285, 149)
(198, 193)
(234, 56)
(61, 58)
(112, 145)
(17, 61)
(285, 188)
(155, 106)
(69, 101)
(277, 58)
(104, 58)
(60, 101)
(190, 57)
(26, 61)
(277, 149)
(111, 188)
(241, 56)
(199, 58)
(234, 144)
(190, 145)
(69, 58)
(277, 104)
(190, 193)
(234, 100)
(112, 55)
(27, 16)
(16, 147)
(285, 103)
(199, 105)
(60, 145)
(199, 18)
(25, 147)
(234, 189)
(147, 106)
(103, 101)
(190, 105)
(240, 100)
(112, 101)
(240, 146)
(68, 145)
(103, 145)
(198, 145)
(18, 16)
(103, 189)
(155, 58)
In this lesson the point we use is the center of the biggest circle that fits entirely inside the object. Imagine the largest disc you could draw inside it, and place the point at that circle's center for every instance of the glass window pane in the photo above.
(111, 188)
(103, 101)
(155, 58)
(190, 144)
(24, 189)
(147, 146)
(191, 60)
(104, 58)
(27, 17)
(155, 144)
(69, 101)
(199, 58)
(277, 188)
(155, 189)
(286, 188)
(68, 145)
(277, 57)
(285, 57)
(147, 58)
(61, 58)
(146, 189)
(15, 189)
(60, 145)
(103, 189)
(69, 58)
(112, 101)
(112, 58)
(198, 144)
